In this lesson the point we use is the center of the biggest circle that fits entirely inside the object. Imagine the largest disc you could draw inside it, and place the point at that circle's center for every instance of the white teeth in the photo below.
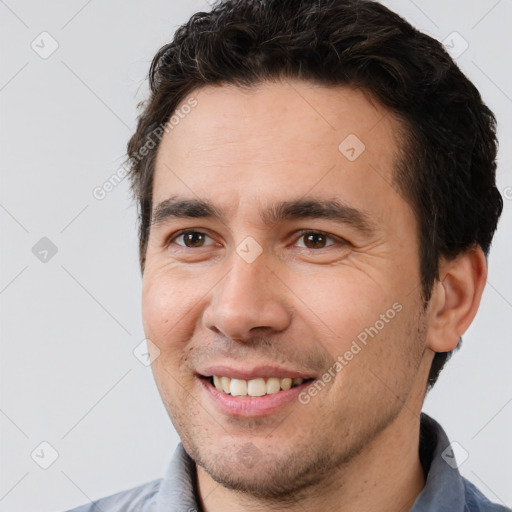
(238, 387)
(254, 387)
(225, 383)
(273, 385)
(286, 383)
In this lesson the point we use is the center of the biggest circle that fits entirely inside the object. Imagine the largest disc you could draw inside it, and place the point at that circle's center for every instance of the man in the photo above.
(316, 189)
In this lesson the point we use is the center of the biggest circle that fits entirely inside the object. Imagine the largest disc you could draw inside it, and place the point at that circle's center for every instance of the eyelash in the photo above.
(302, 233)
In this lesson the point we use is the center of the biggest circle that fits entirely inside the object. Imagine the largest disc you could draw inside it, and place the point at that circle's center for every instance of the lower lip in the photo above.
(244, 406)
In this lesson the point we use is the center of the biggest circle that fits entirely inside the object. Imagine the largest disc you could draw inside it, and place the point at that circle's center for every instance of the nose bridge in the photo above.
(248, 297)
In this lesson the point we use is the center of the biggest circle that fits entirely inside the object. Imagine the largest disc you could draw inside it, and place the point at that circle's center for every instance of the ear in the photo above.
(455, 298)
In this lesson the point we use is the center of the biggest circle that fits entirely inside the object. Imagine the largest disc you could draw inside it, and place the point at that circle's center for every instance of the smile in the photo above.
(254, 387)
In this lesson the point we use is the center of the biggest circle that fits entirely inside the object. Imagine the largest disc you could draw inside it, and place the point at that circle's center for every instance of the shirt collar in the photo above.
(444, 487)
(443, 491)
(178, 490)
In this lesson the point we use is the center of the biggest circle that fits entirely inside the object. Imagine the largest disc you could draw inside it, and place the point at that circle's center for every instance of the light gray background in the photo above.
(69, 326)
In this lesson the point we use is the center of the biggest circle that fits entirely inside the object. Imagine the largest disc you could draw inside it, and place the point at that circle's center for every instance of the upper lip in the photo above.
(253, 373)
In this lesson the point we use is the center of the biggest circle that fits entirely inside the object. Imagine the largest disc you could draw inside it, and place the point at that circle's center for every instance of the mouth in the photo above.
(250, 392)
(253, 388)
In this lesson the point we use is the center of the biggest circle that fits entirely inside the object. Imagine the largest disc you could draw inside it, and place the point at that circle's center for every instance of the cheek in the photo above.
(367, 333)
(166, 311)
(342, 303)
(385, 366)
(168, 325)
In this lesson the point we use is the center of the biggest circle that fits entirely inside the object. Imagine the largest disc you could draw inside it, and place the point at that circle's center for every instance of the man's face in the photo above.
(272, 284)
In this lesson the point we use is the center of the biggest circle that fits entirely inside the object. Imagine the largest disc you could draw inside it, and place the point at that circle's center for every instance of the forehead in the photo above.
(277, 141)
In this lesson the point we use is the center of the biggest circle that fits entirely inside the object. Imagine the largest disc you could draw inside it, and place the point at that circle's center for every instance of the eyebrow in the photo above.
(303, 208)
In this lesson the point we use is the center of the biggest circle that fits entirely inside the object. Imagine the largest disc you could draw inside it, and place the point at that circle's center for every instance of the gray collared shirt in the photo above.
(445, 489)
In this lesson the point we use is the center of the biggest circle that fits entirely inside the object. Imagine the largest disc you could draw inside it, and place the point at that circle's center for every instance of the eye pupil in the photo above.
(194, 239)
(317, 240)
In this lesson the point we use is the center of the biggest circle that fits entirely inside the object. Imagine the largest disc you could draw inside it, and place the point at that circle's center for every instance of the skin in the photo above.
(354, 446)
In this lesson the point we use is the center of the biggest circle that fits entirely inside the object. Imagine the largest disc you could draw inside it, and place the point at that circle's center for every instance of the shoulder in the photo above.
(477, 502)
(139, 499)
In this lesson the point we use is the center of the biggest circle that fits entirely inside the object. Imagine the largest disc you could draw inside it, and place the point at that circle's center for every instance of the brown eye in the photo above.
(191, 239)
(315, 240)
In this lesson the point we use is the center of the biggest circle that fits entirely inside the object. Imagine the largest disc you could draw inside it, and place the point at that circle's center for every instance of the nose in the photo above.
(248, 300)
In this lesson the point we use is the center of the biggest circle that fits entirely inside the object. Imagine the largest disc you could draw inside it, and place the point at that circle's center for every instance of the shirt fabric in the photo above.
(445, 489)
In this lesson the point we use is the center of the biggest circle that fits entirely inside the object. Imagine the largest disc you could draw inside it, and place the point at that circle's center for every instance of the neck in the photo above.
(386, 476)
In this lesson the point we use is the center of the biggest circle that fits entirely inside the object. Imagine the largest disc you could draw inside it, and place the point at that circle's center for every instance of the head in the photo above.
(272, 101)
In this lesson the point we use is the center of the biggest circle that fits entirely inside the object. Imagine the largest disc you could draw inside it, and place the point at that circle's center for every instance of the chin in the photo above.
(266, 480)
(264, 474)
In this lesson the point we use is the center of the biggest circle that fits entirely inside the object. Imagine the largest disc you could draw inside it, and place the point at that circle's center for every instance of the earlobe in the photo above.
(456, 298)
